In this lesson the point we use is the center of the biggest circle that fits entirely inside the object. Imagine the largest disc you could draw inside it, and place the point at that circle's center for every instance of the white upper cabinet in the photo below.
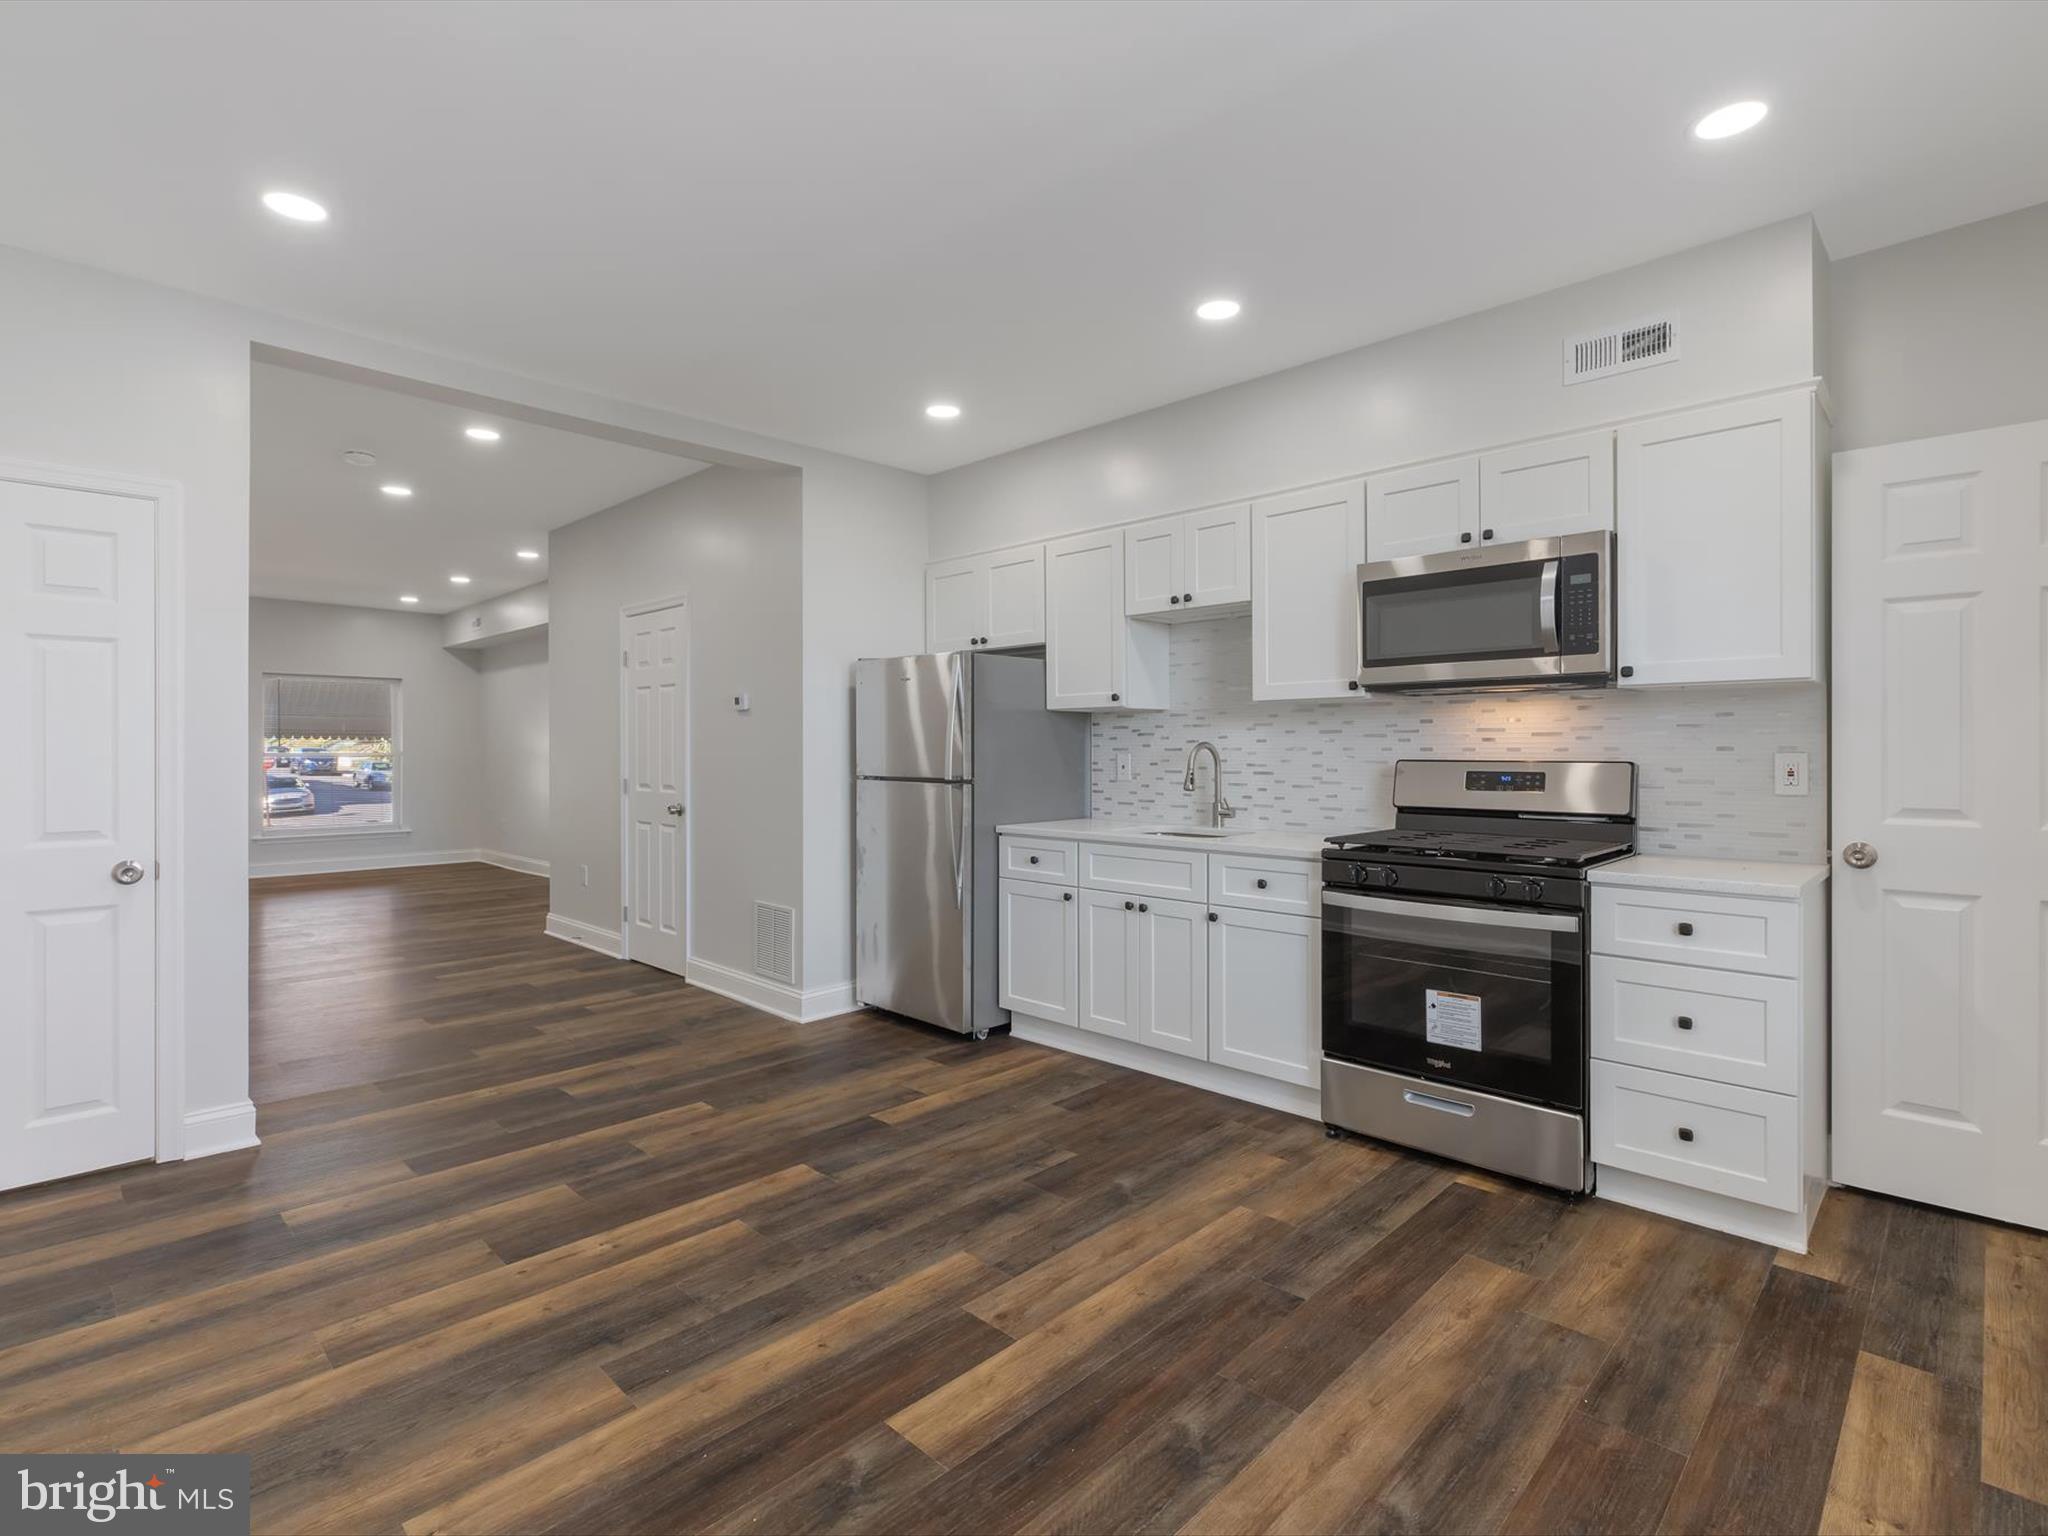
(1547, 490)
(1422, 511)
(985, 602)
(1095, 657)
(1717, 545)
(1195, 564)
(1306, 550)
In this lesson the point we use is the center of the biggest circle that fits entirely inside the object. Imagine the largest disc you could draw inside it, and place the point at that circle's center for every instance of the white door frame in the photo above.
(634, 611)
(169, 500)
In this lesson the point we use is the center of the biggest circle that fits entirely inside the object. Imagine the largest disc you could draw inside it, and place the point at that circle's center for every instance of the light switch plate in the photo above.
(1788, 773)
(1123, 768)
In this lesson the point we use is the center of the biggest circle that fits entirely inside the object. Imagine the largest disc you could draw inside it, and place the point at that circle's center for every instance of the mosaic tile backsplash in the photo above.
(1704, 754)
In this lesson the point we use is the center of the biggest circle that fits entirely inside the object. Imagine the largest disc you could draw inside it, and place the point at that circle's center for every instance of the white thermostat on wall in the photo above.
(739, 704)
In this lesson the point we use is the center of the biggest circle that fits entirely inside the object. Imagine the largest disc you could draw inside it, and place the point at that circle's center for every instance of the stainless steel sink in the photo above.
(1200, 832)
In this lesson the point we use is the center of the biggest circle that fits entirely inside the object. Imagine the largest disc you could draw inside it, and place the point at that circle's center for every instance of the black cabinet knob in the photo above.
(1685, 930)
(1628, 671)
(1262, 885)
(1174, 599)
(1486, 533)
(1130, 906)
(1143, 908)
(1034, 858)
(1684, 1022)
(1464, 538)
(1354, 685)
(1685, 1133)
(1187, 597)
(1115, 698)
(1212, 917)
(1066, 895)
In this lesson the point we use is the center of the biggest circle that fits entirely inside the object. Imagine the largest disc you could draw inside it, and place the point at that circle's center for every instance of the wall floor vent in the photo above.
(775, 942)
(1622, 349)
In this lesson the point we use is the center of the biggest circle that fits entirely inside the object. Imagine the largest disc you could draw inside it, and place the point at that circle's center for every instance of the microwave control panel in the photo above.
(1578, 605)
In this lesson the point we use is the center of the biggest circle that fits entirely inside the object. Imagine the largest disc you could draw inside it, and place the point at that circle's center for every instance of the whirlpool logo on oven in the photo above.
(177, 1496)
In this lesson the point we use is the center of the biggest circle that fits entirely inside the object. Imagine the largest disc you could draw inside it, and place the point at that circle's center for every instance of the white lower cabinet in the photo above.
(1225, 982)
(1265, 980)
(1036, 940)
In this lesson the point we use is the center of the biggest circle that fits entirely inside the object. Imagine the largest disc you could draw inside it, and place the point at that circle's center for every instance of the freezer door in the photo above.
(913, 879)
(911, 717)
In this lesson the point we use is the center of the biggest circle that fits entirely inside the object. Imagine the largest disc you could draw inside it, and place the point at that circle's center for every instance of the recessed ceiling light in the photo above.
(528, 554)
(483, 434)
(1726, 122)
(290, 205)
(396, 490)
(359, 458)
(941, 410)
(407, 597)
(460, 581)
(1217, 309)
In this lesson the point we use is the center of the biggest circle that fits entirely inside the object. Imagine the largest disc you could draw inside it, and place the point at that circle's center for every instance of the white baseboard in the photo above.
(755, 991)
(605, 941)
(1253, 1089)
(1703, 1208)
(518, 863)
(348, 863)
(828, 1002)
(224, 1128)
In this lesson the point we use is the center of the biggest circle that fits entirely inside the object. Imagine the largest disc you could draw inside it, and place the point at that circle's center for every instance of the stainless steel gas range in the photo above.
(1454, 962)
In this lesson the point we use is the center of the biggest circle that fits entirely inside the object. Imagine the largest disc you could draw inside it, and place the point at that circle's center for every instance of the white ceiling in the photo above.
(809, 219)
(323, 531)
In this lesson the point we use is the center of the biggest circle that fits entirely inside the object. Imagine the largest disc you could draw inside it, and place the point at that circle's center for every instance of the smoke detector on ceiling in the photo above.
(1621, 348)
(359, 458)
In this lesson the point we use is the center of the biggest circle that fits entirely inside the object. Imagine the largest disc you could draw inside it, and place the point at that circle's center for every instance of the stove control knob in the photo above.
(1390, 878)
(1496, 886)
(1532, 890)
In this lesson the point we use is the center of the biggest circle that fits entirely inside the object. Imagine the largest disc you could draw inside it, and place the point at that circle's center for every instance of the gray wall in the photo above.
(1747, 321)
(730, 542)
(443, 790)
(1948, 333)
(512, 682)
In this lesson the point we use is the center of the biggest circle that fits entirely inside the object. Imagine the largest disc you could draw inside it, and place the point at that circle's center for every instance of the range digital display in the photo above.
(1509, 782)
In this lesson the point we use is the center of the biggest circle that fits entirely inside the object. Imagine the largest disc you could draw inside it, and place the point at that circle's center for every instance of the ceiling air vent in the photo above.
(775, 942)
(1622, 349)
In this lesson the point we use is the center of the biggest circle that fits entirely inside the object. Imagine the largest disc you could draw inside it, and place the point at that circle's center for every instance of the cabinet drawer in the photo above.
(1265, 885)
(1039, 858)
(1728, 933)
(1737, 1142)
(1724, 1025)
(1170, 872)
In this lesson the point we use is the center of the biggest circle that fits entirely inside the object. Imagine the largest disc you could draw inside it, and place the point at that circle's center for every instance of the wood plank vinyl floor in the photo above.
(541, 1241)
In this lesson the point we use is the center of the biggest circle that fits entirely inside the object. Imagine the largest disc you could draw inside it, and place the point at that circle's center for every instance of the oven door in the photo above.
(1519, 613)
(1484, 997)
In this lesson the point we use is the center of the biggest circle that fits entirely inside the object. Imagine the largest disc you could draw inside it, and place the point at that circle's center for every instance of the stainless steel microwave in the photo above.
(1508, 616)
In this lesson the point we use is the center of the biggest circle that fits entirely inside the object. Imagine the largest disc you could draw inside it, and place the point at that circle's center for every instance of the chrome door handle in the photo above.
(1442, 1106)
(676, 808)
(1859, 855)
(128, 872)
(1546, 604)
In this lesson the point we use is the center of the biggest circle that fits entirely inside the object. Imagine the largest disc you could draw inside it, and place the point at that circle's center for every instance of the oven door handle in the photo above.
(1546, 605)
(1480, 917)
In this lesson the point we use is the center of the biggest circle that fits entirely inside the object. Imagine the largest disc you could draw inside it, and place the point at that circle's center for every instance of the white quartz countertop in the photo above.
(1718, 877)
(1143, 834)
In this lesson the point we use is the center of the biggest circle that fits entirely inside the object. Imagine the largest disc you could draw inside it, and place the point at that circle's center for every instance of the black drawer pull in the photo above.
(1464, 538)
(1066, 895)
(1034, 858)
(1685, 1133)
(1262, 885)
(1116, 698)
(1130, 906)
(1143, 908)
(1189, 598)
(1354, 685)
(1684, 1022)
(1685, 930)
(1212, 917)
(1486, 534)
(1174, 599)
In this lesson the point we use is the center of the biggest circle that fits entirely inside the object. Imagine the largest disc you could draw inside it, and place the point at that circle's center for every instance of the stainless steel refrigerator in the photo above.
(946, 749)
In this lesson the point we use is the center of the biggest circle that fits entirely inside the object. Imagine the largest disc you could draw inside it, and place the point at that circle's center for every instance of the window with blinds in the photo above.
(330, 754)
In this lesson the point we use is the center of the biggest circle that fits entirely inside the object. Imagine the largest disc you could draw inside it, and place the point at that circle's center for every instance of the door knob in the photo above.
(675, 808)
(128, 872)
(1859, 855)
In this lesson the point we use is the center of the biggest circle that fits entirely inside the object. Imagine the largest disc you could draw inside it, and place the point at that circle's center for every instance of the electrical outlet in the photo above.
(586, 877)
(1123, 768)
(1788, 773)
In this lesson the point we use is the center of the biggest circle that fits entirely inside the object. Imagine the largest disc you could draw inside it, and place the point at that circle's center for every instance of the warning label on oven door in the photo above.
(1451, 1018)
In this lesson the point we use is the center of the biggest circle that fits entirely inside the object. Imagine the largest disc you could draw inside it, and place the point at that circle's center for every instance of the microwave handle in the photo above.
(1546, 605)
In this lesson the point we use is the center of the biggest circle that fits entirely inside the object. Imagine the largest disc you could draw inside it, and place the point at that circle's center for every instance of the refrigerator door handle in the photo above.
(959, 825)
(956, 721)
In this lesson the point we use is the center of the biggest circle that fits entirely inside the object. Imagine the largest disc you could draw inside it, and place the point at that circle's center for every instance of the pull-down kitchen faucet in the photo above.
(1219, 808)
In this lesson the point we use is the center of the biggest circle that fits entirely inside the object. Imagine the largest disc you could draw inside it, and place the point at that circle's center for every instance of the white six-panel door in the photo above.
(1940, 1023)
(77, 832)
(656, 652)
